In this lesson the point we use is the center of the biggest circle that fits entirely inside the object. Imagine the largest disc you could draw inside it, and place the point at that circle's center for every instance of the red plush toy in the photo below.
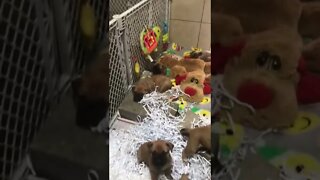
(308, 90)
(221, 55)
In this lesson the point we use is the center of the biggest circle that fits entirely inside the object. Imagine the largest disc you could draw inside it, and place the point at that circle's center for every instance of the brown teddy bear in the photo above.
(311, 52)
(294, 16)
(227, 29)
(308, 22)
(193, 86)
(260, 15)
(265, 76)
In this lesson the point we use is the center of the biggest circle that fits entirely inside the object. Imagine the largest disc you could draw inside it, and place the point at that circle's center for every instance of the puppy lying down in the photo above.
(199, 139)
(149, 84)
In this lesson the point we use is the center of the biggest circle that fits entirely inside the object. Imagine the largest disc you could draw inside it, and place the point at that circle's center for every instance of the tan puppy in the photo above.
(184, 177)
(197, 138)
(149, 84)
(168, 61)
(156, 155)
(94, 83)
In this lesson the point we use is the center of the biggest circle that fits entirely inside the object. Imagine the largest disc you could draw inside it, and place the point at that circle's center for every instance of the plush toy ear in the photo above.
(206, 89)
(170, 145)
(179, 79)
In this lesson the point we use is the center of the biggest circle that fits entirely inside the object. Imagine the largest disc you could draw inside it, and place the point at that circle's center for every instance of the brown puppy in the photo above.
(91, 91)
(94, 83)
(168, 61)
(149, 84)
(156, 155)
(184, 177)
(197, 137)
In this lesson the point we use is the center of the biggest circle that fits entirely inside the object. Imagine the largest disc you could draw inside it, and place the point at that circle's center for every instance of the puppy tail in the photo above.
(185, 132)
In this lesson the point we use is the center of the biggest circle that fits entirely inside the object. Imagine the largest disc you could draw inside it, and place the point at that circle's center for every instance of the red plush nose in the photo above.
(256, 94)
(190, 91)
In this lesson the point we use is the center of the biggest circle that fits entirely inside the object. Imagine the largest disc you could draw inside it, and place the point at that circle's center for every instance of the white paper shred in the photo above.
(232, 169)
(158, 124)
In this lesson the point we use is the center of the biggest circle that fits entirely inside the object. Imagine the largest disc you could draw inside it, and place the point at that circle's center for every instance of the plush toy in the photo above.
(236, 51)
(311, 53)
(227, 37)
(265, 76)
(193, 85)
(260, 15)
(308, 22)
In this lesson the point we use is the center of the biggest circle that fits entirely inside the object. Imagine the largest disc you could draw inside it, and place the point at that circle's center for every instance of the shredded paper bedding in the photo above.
(158, 124)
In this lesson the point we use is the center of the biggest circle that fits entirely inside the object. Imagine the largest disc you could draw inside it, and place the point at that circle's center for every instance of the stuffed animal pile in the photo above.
(263, 59)
(266, 64)
(190, 73)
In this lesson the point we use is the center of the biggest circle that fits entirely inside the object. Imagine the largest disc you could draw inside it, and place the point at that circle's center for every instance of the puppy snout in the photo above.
(137, 96)
(256, 94)
(190, 91)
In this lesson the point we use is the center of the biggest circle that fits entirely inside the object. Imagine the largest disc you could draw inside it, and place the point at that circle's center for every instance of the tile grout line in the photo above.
(191, 21)
(204, 4)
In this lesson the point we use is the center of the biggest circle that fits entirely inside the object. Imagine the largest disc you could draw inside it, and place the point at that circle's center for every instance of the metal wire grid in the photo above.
(154, 12)
(71, 43)
(124, 40)
(117, 80)
(120, 6)
(24, 95)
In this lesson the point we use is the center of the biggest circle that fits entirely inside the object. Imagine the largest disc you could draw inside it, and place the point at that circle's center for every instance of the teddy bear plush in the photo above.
(311, 52)
(227, 39)
(308, 22)
(265, 76)
(260, 15)
(192, 84)
(236, 57)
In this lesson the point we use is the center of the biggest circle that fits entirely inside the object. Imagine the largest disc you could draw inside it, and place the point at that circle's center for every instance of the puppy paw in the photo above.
(184, 157)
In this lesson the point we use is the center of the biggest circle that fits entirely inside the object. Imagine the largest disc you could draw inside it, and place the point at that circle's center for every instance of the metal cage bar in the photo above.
(124, 32)
(71, 44)
(27, 75)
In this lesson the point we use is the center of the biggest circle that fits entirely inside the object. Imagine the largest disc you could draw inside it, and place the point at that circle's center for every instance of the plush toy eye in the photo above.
(262, 58)
(194, 80)
(299, 168)
(276, 63)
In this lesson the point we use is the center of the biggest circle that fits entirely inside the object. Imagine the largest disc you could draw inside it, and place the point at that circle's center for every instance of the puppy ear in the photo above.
(170, 145)
(149, 144)
(185, 132)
